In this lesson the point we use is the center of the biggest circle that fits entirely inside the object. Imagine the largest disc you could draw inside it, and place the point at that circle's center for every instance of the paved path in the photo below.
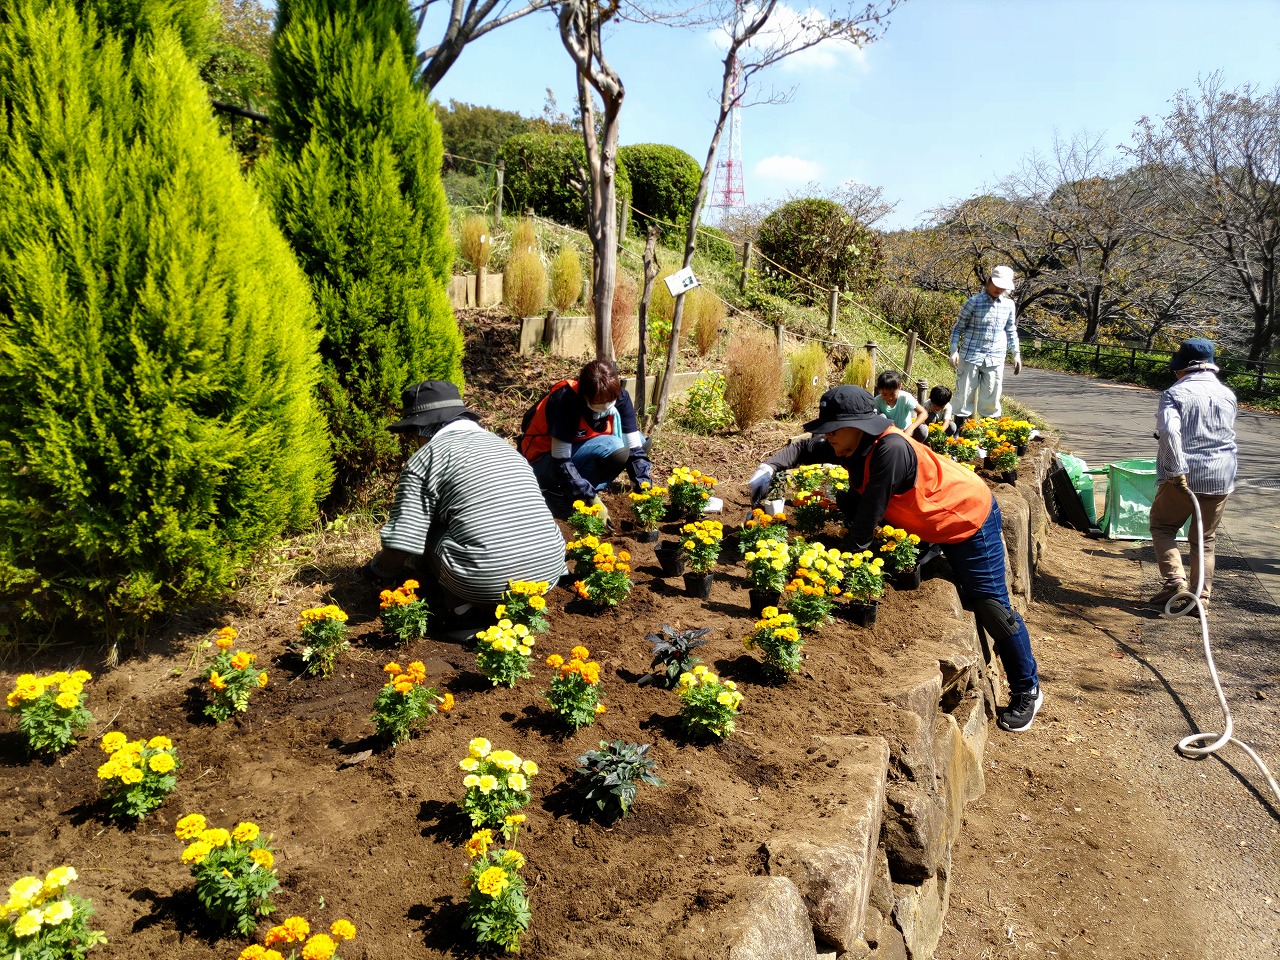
(1102, 421)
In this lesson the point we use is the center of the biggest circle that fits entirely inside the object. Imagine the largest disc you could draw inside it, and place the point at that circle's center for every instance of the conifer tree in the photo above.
(158, 343)
(354, 178)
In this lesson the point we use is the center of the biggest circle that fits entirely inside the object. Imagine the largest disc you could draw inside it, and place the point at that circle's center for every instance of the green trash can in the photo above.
(1131, 486)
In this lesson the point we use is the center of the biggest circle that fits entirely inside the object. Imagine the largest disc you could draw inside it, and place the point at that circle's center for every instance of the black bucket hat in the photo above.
(848, 406)
(430, 402)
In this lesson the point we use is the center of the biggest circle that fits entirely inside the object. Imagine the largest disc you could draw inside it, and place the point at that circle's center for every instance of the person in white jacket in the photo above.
(986, 329)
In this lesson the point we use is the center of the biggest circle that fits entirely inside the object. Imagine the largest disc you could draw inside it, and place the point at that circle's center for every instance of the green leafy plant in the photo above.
(610, 777)
(525, 601)
(497, 906)
(504, 651)
(405, 615)
(51, 710)
(575, 692)
(664, 181)
(703, 408)
(672, 655)
(962, 449)
(496, 782)
(707, 703)
(768, 565)
(819, 239)
(586, 519)
(138, 775)
(543, 172)
(42, 921)
(649, 505)
(230, 678)
(324, 636)
(234, 871)
(404, 705)
(701, 544)
(608, 582)
(778, 637)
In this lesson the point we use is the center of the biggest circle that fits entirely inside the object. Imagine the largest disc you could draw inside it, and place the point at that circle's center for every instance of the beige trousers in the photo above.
(1170, 509)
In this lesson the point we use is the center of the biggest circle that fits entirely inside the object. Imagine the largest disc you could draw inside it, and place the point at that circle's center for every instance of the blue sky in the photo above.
(949, 102)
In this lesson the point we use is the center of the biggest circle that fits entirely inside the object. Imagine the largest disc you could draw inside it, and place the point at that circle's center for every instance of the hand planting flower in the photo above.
(324, 636)
(404, 613)
(761, 526)
(575, 692)
(768, 565)
(811, 511)
(503, 652)
(588, 518)
(649, 505)
(230, 678)
(41, 920)
(138, 774)
(496, 782)
(525, 602)
(404, 705)
(701, 544)
(497, 907)
(609, 581)
(864, 580)
(51, 710)
(779, 638)
(234, 871)
(689, 490)
(304, 945)
(708, 703)
(899, 548)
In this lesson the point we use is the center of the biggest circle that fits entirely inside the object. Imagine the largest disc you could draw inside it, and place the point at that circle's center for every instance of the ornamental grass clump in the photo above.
(672, 655)
(761, 526)
(138, 774)
(777, 636)
(42, 921)
(303, 944)
(475, 242)
(707, 703)
(230, 678)
(525, 601)
(497, 906)
(503, 652)
(609, 581)
(768, 566)
(899, 548)
(234, 871)
(689, 490)
(701, 544)
(587, 518)
(609, 777)
(575, 692)
(404, 614)
(324, 636)
(404, 705)
(649, 505)
(496, 782)
(51, 710)
(864, 577)
(566, 278)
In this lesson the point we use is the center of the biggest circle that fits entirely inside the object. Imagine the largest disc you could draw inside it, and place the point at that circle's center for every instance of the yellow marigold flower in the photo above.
(189, 827)
(130, 776)
(530, 769)
(196, 852)
(319, 947)
(84, 676)
(113, 741)
(67, 701)
(343, 929)
(600, 708)
(23, 891)
(56, 912)
(242, 659)
(263, 857)
(216, 837)
(479, 843)
(537, 603)
(252, 952)
(517, 817)
(160, 743)
(516, 781)
(297, 929)
(71, 686)
(487, 783)
(479, 747)
(555, 660)
(29, 922)
(262, 679)
(470, 780)
(246, 832)
(468, 763)
(162, 763)
(513, 859)
(109, 770)
(492, 882)
(404, 686)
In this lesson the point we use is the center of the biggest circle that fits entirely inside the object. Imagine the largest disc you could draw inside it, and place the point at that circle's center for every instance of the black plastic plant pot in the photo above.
(1021, 449)
(906, 579)
(670, 559)
(863, 614)
(1009, 476)
(698, 585)
(646, 536)
(761, 599)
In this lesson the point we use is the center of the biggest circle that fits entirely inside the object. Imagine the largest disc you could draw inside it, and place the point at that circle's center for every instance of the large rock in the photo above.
(1017, 540)
(919, 912)
(915, 831)
(766, 920)
(958, 753)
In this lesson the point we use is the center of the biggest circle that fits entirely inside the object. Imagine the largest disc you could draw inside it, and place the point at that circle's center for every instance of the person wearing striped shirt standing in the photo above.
(468, 515)
(1196, 457)
(988, 326)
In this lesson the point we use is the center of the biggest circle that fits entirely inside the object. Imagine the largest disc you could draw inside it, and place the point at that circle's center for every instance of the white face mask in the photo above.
(602, 409)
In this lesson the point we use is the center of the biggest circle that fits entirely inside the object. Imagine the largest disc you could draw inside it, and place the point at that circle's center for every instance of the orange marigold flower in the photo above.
(555, 660)
(343, 929)
(404, 686)
(392, 668)
(446, 703)
(216, 681)
(580, 652)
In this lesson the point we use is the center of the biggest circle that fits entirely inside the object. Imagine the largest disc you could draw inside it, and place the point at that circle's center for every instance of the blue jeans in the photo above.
(978, 564)
(590, 458)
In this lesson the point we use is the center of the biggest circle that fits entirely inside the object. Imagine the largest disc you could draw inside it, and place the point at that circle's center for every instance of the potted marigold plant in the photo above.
(609, 581)
(404, 613)
(707, 703)
(761, 526)
(864, 585)
(701, 549)
(496, 782)
(43, 921)
(234, 871)
(587, 518)
(777, 636)
(51, 710)
(497, 907)
(581, 552)
(309, 946)
(811, 594)
(688, 491)
(575, 692)
(768, 567)
(649, 505)
(902, 551)
(1004, 458)
(404, 704)
(811, 511)
(525, 601)
(324, 636)
(138, 774)
(504, 651)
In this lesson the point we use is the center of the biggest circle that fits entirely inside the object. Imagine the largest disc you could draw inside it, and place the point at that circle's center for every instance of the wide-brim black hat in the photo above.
(430, 402)
(848, 406)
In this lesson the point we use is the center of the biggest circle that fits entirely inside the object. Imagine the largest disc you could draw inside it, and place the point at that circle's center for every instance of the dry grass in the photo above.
(626, 299)
(566, 278)
(860, 370)
(806, 377)
(524, 284)
(524, 237)
(662, 306)
(753, 376)
(476, 243)
(704, 315)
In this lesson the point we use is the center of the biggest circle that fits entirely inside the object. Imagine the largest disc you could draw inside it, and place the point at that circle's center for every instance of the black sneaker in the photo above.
(1022, 709)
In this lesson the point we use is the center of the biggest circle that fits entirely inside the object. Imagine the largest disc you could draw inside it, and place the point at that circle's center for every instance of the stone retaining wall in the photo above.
(869, 875)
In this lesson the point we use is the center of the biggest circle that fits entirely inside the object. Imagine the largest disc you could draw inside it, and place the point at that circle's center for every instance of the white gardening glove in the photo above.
(1017, 364)
(955, 359)
(759, 482)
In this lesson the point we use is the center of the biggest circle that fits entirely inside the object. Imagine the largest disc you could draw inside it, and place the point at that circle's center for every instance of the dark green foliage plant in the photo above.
(548, 172)
(672, 655)
(157, 340)
(716, 246)
(611, 776)
(664, 182)
(817, 239)
(354, 180)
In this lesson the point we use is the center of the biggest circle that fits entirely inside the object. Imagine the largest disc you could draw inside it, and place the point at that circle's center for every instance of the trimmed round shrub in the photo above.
(158, 358)
(548, 172)
(664, 182)
(566, 278)
(817, 239)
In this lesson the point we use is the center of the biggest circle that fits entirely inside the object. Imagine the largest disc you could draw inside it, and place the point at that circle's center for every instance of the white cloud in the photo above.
(788, 27)
(786, 169)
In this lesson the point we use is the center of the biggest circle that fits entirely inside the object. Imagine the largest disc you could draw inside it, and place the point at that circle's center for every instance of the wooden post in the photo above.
(780, 329)
(549, 328)
(480, 275)
(922, 390)
(746, 267)
(833, 311)
(497, 206)
(912, 337)
(624, 221)
(1133, 358)
(1097, 355)
(872, 347)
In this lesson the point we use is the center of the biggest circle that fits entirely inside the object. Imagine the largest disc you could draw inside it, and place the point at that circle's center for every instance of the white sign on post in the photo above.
(681, 281)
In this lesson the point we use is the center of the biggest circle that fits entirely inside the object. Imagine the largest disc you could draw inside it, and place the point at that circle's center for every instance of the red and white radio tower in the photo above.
(728, 192)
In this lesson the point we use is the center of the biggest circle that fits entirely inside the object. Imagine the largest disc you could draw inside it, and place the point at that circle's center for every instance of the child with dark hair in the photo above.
(939, 409)
(900, 406)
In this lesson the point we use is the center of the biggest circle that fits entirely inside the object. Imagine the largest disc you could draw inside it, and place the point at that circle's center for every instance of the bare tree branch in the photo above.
(468, 20)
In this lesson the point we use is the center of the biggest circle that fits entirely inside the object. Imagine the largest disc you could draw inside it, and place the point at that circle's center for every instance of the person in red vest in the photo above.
(899, 481)
(581, 435)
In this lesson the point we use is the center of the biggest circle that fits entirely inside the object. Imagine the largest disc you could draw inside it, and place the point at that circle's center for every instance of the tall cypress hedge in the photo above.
(157, 340)
(354, 179)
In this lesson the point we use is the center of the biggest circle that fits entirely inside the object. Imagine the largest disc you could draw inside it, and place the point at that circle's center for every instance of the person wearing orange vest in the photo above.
(899, 481)
(581, 435)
